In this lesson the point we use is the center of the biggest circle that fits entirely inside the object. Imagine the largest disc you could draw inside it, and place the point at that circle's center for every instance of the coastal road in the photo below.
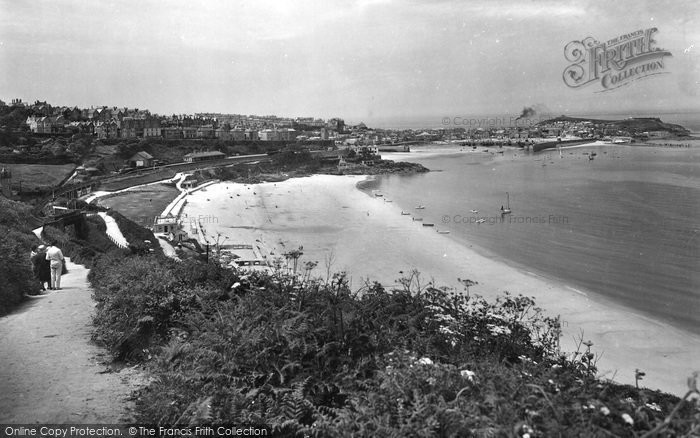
(50, 371)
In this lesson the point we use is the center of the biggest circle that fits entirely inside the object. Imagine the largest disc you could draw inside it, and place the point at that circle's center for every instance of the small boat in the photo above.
(417, 219)
(443, 232)
(378, 195)
(507, 209)
(474, 211)
(405, 213)
(420, 207)
(388, 200)
(428, 225)
(590, 158)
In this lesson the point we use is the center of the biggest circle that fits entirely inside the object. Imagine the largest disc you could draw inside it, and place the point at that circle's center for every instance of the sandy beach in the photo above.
(369, 238)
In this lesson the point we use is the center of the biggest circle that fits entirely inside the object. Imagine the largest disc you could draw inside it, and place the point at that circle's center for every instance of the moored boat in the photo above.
(507, 209)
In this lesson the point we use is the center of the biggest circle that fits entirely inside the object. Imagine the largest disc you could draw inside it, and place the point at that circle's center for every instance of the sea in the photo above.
(624, 225)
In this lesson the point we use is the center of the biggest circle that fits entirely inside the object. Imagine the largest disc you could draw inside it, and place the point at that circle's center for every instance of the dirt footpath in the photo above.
(50, 371)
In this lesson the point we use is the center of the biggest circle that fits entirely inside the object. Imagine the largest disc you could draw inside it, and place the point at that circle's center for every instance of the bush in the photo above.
(17, 215)
(311, 357)
(141, 297)
(16, 275)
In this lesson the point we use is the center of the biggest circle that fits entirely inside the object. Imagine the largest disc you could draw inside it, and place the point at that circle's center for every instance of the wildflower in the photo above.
(468, 374)
(605, 411)
(498, 330)
(446, 330)
(425, 361)
(654, 407)
(556, 366)
(627, 419)
(550, 381)
(235, 285)
(532, 413)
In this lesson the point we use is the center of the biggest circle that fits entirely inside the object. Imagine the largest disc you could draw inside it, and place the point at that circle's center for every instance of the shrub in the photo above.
(16, 276)
(17, 215)
(140, 298)
(311, 357)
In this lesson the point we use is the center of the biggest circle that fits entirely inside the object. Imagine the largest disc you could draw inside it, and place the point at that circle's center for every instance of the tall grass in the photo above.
(312, 357)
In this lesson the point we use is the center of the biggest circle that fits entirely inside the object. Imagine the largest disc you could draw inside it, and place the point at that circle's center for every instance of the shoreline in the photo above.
(627, 340)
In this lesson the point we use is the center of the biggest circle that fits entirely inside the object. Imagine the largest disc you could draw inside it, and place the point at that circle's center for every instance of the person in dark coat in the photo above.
(41, 267)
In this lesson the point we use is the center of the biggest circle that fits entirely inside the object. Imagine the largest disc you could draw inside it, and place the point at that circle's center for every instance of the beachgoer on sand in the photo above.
(56, 259)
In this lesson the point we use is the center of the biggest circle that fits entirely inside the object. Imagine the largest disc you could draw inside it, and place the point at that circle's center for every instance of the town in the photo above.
(104, 122)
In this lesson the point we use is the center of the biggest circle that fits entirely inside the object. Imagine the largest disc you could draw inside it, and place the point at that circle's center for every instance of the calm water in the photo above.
(625, 225)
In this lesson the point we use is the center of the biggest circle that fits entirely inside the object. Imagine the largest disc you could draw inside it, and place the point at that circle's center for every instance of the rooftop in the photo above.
(205, 154)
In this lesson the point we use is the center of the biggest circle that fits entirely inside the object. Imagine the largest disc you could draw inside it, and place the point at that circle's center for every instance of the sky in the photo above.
(362, 60)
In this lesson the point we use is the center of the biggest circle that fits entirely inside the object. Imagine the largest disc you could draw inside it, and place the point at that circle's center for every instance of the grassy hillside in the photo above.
(311, 357)
(632, 124)
(38, 175)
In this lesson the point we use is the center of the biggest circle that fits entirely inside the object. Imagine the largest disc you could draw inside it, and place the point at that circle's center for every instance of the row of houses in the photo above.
(129, 127)
(210, 132)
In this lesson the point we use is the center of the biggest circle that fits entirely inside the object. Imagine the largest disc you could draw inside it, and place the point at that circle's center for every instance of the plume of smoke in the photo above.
(526, 113)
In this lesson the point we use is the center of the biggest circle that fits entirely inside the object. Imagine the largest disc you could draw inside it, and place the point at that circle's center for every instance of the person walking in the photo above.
(42, 267)
(55, 257)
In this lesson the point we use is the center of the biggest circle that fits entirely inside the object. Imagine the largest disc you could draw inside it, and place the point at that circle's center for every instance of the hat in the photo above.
(41, 247)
